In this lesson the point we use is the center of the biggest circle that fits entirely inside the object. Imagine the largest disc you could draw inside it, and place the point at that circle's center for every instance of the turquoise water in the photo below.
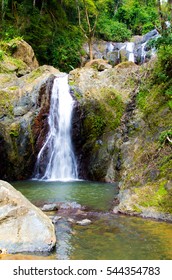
(97, 196)
(109, 236)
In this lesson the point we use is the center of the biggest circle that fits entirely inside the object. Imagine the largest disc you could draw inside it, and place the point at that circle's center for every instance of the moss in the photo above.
(152, 195)
(5, 79)
(103, 112)
(125, 64)
(6, 106)
(9, 46)
(14, 129)
(17, 62)
(11, 65)
(32, 141)
(34, 75)
(71, 83)
(136, 209)
(13, 88)
(166, 167)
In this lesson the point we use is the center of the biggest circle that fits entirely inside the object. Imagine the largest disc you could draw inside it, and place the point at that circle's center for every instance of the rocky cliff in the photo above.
(24, 106)
(124, 118)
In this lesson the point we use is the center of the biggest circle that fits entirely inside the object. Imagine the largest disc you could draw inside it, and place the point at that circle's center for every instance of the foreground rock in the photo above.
(23, 227)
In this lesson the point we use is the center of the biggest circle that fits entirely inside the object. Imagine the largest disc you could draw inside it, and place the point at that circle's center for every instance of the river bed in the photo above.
(108, 237)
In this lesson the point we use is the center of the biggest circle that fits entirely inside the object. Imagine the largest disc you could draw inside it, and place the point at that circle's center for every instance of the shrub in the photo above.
(111, 30)
(165, 137)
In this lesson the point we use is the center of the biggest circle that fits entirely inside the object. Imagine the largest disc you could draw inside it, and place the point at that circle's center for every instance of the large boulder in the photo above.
(23, 227)
(25, 52)
(17, 57)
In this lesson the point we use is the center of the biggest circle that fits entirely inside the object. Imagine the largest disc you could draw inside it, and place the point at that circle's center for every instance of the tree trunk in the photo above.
(90, 46)
(161, 17)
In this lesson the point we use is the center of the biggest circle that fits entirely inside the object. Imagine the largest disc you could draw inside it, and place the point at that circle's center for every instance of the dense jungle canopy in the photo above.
(56, 29)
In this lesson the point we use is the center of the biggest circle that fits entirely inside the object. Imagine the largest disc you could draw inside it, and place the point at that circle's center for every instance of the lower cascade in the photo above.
(57, 151)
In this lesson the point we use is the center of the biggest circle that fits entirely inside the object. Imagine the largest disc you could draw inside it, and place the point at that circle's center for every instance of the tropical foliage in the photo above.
(57, 29)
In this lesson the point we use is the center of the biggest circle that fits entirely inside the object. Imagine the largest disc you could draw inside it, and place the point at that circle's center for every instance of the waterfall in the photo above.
(130, 50)
(57, 151)
(143, 52)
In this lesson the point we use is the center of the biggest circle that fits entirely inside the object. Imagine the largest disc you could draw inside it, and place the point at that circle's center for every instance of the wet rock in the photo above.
(56, 219)
(153, 33)
(154, 214)
(23, 227)
(70, 205)
(84, 222)
(50, 207)
(70, 220)
(113, 57)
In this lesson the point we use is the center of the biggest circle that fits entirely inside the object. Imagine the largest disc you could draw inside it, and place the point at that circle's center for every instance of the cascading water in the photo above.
(57, 152)
(130, 50)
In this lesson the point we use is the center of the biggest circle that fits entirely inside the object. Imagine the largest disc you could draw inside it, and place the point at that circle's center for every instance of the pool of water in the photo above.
(97, 196)
(109, 236)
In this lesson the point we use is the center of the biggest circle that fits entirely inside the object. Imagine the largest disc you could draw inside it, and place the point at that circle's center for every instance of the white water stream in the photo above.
(130, 50)
(57, 150)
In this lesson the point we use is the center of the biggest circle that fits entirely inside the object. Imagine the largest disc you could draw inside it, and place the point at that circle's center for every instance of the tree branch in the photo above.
(79, 20)
(169, 139)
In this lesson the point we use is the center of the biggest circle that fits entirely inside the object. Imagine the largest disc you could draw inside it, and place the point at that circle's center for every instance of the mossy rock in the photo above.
(14, 129)
(102, 112)
(98, 64)
(6, 105)
(12, 65)
(125, 64)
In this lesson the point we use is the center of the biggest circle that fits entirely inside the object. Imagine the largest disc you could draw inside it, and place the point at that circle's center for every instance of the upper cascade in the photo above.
(137, 51)
(56, 159)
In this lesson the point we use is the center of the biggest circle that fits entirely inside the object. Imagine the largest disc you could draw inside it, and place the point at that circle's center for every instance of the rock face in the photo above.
(25, 92)
(23, 227)
(124, 145)
(102, 97)
(24, 107)
(145, 163)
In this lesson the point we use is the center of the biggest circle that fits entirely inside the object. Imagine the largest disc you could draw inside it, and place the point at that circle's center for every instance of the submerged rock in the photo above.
(84, 222)
(50, 207)
(23, 227)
